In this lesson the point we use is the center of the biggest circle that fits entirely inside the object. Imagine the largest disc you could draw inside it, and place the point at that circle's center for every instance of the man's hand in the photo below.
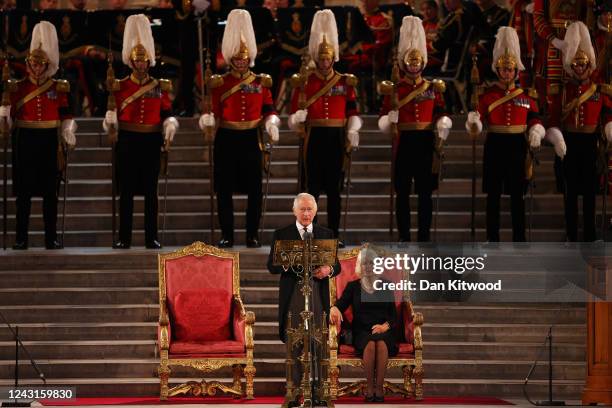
(322, 272)
(380, 328)
(335, 316)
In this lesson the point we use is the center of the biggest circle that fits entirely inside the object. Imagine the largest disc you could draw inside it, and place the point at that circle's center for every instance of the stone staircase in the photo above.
(88, 314)
(88, 317)
(88, 211)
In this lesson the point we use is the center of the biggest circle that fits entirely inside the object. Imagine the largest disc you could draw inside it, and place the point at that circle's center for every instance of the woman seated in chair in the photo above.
(373, 326)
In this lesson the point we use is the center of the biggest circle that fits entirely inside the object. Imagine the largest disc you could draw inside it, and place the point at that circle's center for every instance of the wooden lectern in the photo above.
(598, 387)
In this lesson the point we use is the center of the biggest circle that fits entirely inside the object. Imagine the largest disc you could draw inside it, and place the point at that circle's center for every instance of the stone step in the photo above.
(437, 313)
(356, 219)
(470, 332)
(105, 349)
(146, 386)
(459, 201)
(434, 369)
(289, 153)
(354, 236)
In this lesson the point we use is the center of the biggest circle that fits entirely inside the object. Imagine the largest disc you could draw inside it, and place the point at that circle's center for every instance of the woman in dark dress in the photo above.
(373, 327)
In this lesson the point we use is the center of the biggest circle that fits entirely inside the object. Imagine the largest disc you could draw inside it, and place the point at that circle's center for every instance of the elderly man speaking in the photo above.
(290, 297)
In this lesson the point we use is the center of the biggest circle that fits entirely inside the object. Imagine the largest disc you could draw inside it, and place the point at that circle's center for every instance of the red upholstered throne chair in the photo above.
(409, 358)
(202, 321)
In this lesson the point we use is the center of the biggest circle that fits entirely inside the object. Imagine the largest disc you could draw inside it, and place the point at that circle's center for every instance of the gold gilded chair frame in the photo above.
(241, 366)
(412, 368)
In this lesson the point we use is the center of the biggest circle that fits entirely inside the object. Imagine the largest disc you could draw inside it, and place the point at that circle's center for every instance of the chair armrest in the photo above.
(417, 318)
(243, 323)
(333, 337)
(163, 328)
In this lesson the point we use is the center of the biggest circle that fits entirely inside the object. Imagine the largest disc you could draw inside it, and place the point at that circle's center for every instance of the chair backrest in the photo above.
(197, 276)
(348, 262)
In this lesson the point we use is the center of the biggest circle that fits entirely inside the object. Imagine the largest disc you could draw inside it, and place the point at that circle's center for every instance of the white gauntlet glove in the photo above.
(353, 127)
(608, 131)
(272, 123)
(297, 118)
(170, 127)
(555, 137)
(536, 134)
(110, 120)
(206, 120)
(69, 128)
(473, 123)
(444, 125)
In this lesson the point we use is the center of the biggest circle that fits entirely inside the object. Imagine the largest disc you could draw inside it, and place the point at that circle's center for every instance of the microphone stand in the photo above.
(18, 344)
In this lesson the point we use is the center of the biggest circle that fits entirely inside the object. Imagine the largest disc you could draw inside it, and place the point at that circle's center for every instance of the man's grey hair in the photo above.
(304, 196)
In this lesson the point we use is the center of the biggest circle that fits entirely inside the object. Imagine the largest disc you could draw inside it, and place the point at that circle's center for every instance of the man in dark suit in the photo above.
(290, 298)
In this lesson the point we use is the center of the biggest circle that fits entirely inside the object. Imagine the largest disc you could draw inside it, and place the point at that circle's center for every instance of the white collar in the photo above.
(300, 228)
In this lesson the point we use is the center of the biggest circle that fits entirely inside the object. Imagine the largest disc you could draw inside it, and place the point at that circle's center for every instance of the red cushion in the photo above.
(202, 315)
(217, 348)
(405, 348)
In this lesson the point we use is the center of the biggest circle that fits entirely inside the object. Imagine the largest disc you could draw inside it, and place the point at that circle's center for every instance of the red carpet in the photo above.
(270, 400)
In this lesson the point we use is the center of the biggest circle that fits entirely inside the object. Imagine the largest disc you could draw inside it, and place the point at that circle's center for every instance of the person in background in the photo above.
(431, 21)
(47, 4)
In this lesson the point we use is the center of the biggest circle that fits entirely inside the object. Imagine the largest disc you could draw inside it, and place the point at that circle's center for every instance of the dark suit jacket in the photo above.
(288, 280)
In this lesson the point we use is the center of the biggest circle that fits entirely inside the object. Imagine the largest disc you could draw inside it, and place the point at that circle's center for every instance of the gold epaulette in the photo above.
(351, 80)
(265, 80)
(606, 89)
(165, 85)
(61, 85)
(215, 81)
(439, 85)
(533, 93)
(385, 87)
(295, 81)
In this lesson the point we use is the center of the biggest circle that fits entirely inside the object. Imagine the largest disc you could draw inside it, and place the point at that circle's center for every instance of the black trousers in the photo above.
(504, 173)
(24, 205)
(238, 165)
(413, 163)
(324, 161)
(138, 165)
(35, 174)
(580, 173)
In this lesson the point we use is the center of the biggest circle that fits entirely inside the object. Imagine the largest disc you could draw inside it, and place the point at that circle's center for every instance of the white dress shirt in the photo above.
(301, 228)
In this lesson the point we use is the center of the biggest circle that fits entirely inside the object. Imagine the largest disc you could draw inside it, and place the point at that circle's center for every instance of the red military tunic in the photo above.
(381, 26)
(550, 19)
(43, 110)
(522, 22)
(335, 106)
(242, 102)
(515, 115)
(422, 112)
(585, 117)
(143, 105)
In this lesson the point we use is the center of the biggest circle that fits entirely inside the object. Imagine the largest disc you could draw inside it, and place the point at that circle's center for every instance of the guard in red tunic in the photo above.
(521, 19)
(241, 104)
(586, 105)
(414, 108)
(508, 112)
(39, 112)
(324, 101)
(143, 118)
